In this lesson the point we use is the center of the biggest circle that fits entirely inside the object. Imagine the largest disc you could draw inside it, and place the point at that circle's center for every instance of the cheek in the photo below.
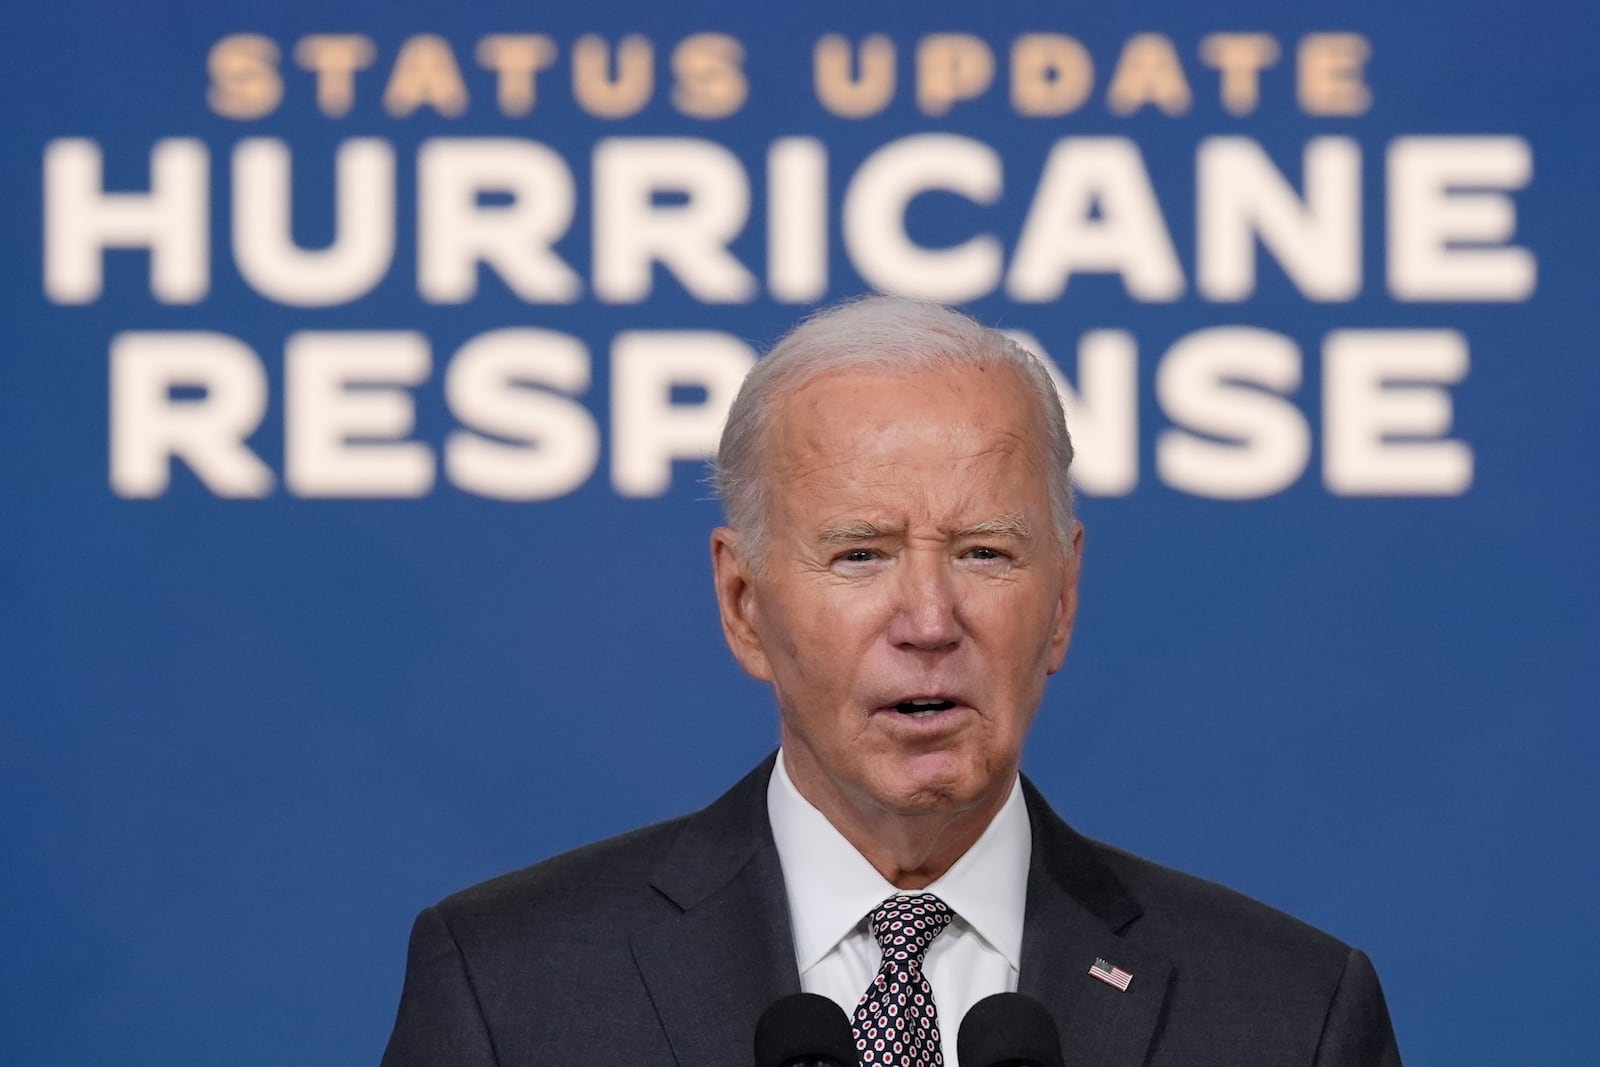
(794, 630)
(1036, 618)
(834, 617)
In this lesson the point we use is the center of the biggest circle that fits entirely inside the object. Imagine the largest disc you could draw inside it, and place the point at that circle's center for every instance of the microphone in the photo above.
(1009, 1030)
(804, 1030)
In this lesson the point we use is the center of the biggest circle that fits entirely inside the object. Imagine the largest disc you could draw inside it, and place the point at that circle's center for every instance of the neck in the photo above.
(910, 849)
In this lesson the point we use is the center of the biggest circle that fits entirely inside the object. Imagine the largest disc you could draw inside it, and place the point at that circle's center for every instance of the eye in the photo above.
(984, 552)
(859, 555)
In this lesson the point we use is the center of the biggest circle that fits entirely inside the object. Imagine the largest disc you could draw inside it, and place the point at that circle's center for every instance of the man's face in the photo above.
(913, 596)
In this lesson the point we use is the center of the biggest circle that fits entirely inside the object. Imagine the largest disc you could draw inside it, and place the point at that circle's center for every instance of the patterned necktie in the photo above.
(895, 1023)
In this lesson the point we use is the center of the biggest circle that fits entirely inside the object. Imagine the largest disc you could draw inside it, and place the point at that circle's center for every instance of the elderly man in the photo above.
(901, 564)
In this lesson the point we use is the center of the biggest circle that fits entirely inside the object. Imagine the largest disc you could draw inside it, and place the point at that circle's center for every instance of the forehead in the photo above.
(930, 429)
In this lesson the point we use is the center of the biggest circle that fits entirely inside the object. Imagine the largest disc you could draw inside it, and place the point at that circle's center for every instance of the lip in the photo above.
(939, 721)
(925, 695)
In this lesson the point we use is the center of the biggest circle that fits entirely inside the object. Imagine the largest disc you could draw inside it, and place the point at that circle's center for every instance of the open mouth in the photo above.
(923, 707)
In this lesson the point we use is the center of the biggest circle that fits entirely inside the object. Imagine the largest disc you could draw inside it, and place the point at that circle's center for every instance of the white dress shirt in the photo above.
(832, 888)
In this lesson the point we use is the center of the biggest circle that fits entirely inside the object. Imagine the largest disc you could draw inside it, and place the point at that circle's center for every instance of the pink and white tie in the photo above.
(895, 1023)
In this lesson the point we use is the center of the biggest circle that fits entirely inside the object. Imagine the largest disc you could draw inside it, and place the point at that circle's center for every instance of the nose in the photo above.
(925, 617)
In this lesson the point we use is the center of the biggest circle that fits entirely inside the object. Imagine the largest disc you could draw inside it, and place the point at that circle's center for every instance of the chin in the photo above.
(945, 786)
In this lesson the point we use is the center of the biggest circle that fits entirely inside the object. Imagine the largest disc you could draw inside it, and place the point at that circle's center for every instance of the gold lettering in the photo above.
(335, 58)
(951, 67)
(708, 72)
(517, 59)
(597, 91)
(245, 83)
(1148, 72)
(852, 86)
(1051, 74)
(425, 75)
(1241, 57)
(1333, 74)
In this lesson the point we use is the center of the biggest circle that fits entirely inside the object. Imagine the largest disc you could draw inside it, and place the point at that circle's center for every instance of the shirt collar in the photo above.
(831, 887)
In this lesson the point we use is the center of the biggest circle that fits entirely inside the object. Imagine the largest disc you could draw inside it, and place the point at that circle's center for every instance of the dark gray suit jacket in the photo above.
(663, 946)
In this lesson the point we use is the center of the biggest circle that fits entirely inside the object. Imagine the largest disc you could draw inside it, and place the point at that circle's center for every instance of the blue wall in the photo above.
(246, 738)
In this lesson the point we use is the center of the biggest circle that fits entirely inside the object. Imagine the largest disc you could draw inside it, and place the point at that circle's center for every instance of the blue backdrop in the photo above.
(261, 705)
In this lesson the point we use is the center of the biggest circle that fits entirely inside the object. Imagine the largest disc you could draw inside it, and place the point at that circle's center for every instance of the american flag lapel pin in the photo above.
(1110, 974)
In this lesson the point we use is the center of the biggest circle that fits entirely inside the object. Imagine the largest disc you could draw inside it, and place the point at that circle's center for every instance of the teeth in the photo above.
(924, 707)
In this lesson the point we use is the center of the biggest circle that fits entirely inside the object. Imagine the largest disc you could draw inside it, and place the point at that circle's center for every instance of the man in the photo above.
(901, 564)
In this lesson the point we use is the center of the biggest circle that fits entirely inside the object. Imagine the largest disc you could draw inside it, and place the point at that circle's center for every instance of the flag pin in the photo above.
(1110, 974)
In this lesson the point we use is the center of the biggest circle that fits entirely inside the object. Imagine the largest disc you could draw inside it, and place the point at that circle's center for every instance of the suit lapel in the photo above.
(712, 969)
(1077, 910)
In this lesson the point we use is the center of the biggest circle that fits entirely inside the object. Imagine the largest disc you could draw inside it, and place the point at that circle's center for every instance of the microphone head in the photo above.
(1009, 1030)
(804, 1028)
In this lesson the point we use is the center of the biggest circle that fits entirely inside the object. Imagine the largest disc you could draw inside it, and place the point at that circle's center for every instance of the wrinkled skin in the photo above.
(910, 554)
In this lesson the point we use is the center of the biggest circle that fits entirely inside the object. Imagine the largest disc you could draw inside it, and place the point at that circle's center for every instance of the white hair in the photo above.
(879, 333)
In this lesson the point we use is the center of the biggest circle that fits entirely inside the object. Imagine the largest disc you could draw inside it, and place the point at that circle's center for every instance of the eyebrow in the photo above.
(850, 532)
(1014, 526)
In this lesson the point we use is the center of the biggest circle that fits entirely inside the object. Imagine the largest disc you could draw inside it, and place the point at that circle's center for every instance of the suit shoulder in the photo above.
(532, 952)
(1189, 916)
(605, 890)
(1249, 983)
(609, 877)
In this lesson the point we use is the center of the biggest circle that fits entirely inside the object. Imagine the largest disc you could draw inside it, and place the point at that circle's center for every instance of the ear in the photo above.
(1067, 605)
(734, 575)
